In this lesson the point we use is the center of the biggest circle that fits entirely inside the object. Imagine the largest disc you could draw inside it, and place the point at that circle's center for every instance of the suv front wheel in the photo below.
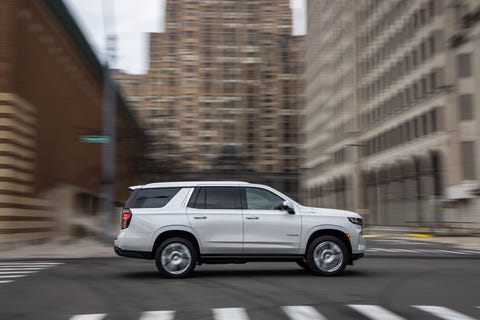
(176, 258)
(327, 256)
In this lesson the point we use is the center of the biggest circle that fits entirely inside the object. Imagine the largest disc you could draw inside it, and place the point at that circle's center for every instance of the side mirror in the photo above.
(288, 206)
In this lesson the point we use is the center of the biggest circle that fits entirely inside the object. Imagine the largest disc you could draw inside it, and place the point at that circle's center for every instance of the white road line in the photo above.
(444, 313)
(21, 269)
(157, 315)
(6, 281)
(303, 313)
(97, 316)
(13, 276)
(17, 272)
(25, 266)
(30, 263)
(229, 314)
(471, 251)
(375, 312)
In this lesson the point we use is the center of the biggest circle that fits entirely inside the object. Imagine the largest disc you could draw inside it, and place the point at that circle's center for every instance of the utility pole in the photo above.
(109, 124)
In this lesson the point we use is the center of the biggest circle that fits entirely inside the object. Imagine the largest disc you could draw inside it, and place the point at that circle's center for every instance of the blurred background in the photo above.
(368, 105)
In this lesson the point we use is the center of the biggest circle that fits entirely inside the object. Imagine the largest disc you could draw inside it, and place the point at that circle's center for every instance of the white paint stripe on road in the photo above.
(471, 251)
(375, 312)
(25, 266)
(230, 314)
(30, 263)
(17, 272)
(20, 269)
(158, 315)
(6, 281)
(98, 316)
(444, 313)
(303, 313)
(13, 276)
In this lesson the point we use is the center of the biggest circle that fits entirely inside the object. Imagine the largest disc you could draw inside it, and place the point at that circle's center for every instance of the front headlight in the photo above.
(355, 220)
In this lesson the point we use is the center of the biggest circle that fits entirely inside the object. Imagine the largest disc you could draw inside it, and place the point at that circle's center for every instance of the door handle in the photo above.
(200, 217)
(251, 218)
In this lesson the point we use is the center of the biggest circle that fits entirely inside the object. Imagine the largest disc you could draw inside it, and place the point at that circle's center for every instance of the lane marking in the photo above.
(419, 235)
(47, 264)
(444, 313)
(303, 313)
(21, 269)
(17, 272)
(97, 316)
(375, 312)
(6, 281)
(158, 315)
(13, 276)
(230, 314)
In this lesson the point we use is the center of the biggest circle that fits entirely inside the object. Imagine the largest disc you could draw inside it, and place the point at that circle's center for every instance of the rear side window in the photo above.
(154, 198)
(131, 199)
(216, 198)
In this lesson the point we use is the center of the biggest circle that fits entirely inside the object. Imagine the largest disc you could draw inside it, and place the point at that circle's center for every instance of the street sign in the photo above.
(95, 139)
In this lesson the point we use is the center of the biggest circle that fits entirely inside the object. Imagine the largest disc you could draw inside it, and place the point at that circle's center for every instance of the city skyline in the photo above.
(133, 36)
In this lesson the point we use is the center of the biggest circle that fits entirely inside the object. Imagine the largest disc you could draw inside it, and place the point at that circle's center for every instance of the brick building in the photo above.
(50, 96)
(223, 92)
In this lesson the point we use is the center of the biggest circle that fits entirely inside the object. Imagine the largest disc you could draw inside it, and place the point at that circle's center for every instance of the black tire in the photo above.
(329, 250)
(176, 258)
(303, 264)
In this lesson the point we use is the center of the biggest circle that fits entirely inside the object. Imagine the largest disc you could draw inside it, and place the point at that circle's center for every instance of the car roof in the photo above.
(183, 184)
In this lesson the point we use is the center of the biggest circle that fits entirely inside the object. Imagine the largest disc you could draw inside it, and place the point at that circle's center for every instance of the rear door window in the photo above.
(216, 198)
(154, 198)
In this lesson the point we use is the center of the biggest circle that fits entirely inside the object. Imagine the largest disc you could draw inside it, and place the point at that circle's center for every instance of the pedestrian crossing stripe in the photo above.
(303, 313)
(158, 315)
(372, 312)
(11, 271)
(375, 312)
(444, 313)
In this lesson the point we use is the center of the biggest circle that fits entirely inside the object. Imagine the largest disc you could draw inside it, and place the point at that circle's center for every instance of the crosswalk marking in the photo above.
(444, 313)
(158, 315)
(303, 313)
(6, 281)
(375, 312)
(230, 314)
(14, 270)
(372, 312)
(47, 264)
(98, 316)
(20, 269)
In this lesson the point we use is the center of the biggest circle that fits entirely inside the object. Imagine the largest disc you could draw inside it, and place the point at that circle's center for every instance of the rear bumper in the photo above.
(133, 254)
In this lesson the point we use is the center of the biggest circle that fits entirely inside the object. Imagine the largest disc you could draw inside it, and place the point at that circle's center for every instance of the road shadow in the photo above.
(250, 273)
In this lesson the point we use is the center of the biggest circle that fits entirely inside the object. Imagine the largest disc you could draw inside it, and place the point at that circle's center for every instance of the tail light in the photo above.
(126, 217)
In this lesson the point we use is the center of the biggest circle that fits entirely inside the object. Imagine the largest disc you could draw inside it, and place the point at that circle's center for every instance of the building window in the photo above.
(468, 160)
(464, 65)
(465, 104)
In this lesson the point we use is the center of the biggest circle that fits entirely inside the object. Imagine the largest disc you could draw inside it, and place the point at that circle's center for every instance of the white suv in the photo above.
(182, 224)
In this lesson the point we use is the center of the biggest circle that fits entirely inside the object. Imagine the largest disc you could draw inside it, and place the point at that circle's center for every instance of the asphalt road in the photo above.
(380, 286)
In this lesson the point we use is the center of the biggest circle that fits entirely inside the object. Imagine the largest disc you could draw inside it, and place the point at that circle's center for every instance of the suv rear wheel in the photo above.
(176, 258)
(327, 256)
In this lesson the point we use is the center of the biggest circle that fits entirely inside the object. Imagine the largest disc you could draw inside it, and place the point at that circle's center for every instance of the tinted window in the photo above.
(220, 198)
(198, 197)
(154, 198)
(261, 199)
(131, 199)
